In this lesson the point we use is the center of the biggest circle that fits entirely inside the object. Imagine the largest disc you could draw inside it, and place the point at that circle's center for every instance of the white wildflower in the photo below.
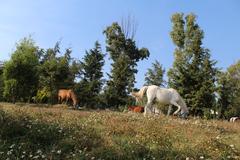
(59, 152)
(9, 152)
(12, 146)
(36, 157)
(39, 151)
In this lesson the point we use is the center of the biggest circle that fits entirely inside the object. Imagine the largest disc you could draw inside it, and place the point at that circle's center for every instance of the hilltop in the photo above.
(30, 131)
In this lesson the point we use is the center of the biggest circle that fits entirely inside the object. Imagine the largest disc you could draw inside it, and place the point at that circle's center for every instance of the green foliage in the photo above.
(28, 138)
(116, 94)
(1, 81)
(154, 76)
(125, 55)
(10, 90)
(56, 71)
(42, 95)
(193, 73)
(229, 91)
(91, 77)
(22, 67)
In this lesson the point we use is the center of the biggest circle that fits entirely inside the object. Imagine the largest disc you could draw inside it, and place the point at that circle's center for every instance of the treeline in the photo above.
(34, 74)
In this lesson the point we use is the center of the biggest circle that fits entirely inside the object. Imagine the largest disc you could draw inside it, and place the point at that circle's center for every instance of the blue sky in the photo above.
(79, 23)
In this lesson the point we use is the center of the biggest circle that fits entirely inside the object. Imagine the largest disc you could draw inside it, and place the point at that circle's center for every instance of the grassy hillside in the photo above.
(56, 132)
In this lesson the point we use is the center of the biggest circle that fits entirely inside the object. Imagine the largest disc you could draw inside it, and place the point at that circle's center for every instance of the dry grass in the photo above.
(62, 133)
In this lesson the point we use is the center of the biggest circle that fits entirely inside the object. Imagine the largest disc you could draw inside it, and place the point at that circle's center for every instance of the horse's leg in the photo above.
(147, 108)
(169, 110)
(67, 101)
(177, 105)
(59, 99)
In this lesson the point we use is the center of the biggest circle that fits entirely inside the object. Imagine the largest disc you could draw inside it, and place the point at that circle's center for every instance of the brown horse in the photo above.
(138, 109)
(66, 95)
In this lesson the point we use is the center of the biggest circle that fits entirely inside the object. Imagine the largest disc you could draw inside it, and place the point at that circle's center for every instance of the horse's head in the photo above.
(184, 115)
(135, 95)
(74, 98)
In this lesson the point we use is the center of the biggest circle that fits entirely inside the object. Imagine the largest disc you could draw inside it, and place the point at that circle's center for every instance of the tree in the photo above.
(56, 72)
(224, 91)
(1, 81)
(21, 71)
(193, 73)
(229, 91)
(91, 75)
(115, 94)
(125, 55)
(154, 76)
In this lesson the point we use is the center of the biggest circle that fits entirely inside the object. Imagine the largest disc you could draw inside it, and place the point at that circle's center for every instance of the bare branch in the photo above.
(129, 26)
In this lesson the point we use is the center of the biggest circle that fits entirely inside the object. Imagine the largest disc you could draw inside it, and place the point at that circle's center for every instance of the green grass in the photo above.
(30, 131)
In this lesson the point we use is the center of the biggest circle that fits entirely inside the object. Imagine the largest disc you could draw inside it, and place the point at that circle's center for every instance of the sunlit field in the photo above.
(29, 131)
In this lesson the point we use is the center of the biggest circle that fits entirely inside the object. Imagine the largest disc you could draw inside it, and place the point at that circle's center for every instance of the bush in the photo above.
(42, 96)
(10, 90)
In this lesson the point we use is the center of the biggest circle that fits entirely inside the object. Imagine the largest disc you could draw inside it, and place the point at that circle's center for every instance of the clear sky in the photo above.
(79, 23)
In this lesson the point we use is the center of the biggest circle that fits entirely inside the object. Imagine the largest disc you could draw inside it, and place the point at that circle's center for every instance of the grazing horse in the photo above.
(138, 109)
(164, 96)
(67, 94)
(234, 119)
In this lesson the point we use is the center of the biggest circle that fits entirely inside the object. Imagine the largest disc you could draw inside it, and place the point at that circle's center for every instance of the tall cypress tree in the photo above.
(91, 75)
(193, 73)
(125, 55)
(154, 75)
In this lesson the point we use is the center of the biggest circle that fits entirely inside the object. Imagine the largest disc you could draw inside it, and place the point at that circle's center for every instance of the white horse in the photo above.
(164, 96)
(234, 119)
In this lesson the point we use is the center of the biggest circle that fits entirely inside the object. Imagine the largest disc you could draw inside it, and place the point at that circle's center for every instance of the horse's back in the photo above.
(139, 109)
(64, 92)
